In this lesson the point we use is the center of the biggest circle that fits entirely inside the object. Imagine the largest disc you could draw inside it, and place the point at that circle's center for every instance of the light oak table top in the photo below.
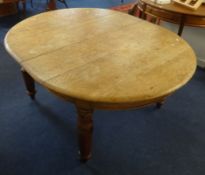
(99, 58)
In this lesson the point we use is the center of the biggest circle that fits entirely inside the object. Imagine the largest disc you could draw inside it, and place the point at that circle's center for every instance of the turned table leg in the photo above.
(85, 129)
(160, 103)
(29, 83)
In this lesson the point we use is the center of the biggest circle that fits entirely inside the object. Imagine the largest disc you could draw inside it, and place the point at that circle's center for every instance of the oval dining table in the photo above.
(99, 59)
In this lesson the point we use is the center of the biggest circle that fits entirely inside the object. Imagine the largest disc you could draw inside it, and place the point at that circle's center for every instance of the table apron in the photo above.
(189, 20)
(113, 106)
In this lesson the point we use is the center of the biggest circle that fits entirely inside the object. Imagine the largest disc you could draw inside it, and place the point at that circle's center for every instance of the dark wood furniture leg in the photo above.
(133, 10)
(30, 84)
(142, 13)
(160, 103)
(181, 25)
(51, 5)
(85, 130)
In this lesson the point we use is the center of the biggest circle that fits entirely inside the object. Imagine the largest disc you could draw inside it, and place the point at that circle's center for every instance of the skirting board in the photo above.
(201, 62)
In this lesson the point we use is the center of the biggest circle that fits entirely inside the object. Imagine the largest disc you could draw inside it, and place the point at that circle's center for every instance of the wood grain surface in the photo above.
(101, 56)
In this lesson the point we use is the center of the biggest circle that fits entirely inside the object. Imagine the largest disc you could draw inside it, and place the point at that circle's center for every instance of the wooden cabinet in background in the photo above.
(10, 7)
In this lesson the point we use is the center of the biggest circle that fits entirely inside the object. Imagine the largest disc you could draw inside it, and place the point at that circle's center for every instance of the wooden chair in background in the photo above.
(137, 10)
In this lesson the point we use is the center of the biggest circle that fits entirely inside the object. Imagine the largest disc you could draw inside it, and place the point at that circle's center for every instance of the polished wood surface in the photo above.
(99, 58)
(173, 13)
